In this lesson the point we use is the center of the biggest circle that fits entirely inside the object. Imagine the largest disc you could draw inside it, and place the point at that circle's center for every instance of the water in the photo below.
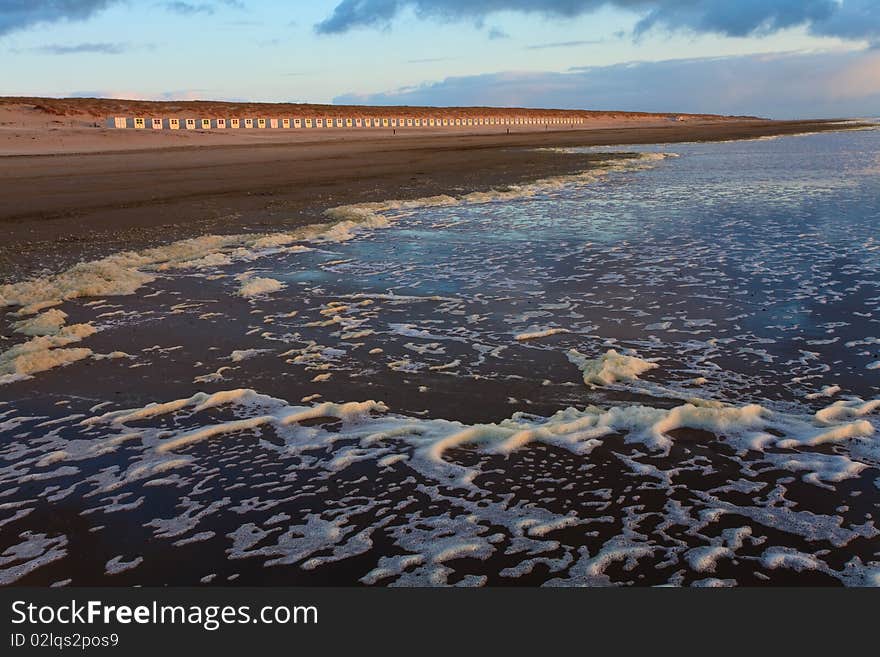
(751, 256)
(747, 273)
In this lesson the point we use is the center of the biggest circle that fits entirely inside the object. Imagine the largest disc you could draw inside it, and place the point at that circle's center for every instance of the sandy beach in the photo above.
(70, 190)
(638, 353)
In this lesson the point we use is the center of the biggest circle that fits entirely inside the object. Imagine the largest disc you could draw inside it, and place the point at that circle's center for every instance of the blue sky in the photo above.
(769, 57)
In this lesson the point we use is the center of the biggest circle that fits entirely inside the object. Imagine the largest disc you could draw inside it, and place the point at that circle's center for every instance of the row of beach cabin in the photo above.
(337, 122)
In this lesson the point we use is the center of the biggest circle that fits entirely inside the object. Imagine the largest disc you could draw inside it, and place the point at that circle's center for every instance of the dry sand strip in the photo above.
(34, 126)
(56, 209)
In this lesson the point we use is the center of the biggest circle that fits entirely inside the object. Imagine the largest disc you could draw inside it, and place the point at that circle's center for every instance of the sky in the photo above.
(775, 58)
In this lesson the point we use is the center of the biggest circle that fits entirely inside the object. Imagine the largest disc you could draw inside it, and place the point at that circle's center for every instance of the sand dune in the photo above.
(31, 126)
(96, 108)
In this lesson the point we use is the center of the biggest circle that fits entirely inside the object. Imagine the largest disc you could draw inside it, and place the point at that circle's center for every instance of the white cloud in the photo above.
(800, 84)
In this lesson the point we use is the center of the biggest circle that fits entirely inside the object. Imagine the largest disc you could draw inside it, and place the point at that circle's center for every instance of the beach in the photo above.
(625, 355)
(84, 191)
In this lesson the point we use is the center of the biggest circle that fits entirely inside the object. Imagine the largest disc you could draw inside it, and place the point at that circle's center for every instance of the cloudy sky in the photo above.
(780, 58)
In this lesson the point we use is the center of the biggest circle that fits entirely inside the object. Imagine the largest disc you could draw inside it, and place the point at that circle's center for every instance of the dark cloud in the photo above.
(848, 19)
(829, 84)
(84, 48)
(743, 17)
(20, 14)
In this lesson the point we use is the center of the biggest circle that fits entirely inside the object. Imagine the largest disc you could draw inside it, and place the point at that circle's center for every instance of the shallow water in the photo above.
(739, 281)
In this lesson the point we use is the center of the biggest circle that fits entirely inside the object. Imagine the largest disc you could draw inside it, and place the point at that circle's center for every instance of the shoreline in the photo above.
(490, 377)
(84, 206)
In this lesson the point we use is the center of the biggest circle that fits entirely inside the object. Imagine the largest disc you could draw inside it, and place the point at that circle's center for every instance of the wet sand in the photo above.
(264, 507)
(59, 208)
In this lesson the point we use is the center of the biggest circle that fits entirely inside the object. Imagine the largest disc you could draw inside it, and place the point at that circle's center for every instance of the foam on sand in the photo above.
(123, 274)
(47, 323)
(126, 272)
(312, 445)
(539, 333)
(44, 352)
(34, 551)
(256, 286)
(620, 492)
(827, 391)
(847, 409)
(118, 274)
(380, 214)
(751, 427)
(355, 217)
(240, 355)
(610, 368)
